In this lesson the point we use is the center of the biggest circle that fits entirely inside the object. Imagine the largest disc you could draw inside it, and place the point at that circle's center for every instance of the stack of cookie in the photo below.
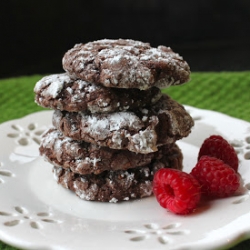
(112, 126)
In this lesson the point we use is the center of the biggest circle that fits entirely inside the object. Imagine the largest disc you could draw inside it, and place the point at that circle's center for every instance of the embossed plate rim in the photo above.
(28, 220)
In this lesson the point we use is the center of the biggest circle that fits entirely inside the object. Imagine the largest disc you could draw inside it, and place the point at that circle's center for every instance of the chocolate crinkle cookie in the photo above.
(113, 128)
(85, 158)
(119, 185)
(141, 131)
(59, 91)
(125, 63)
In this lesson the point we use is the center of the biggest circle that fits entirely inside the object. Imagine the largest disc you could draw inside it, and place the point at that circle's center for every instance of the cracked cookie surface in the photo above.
(126, 63)
(85, 158)
(119, 185)
(59, 91)
(141, 131)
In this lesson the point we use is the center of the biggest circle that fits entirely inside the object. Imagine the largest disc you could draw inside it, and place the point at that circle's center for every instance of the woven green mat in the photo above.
(226, 92)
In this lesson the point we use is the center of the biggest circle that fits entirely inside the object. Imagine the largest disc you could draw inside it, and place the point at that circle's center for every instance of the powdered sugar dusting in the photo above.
(117, 125)
(102, 125)
(140, 132)
(85, 194)
(113, 200)
(50, 140)
(126, 63)
(145, 141)
(111, 186)
(74, 95)
(52, 83)
(121, 60)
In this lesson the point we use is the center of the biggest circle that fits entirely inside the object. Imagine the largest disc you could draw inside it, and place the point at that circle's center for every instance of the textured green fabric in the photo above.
(17, 97)
(226, 92)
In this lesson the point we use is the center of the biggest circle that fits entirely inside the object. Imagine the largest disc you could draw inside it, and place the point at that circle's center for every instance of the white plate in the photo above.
(36, 213)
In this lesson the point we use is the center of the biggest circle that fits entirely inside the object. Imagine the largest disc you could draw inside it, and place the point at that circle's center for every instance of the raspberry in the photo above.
(217, 179)
(218, 147)
(177, 191)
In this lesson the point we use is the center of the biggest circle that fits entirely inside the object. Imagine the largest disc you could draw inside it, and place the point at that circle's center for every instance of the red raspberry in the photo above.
(217, 179)
(177, 191)
(218, 147)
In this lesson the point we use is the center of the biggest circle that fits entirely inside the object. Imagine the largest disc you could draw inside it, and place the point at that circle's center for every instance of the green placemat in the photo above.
(226, 92)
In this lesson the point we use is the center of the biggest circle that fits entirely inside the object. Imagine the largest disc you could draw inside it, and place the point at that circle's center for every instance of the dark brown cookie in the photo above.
(140, 131)
(126, 64)
(113, 186)
(84, 158)
(59, 91)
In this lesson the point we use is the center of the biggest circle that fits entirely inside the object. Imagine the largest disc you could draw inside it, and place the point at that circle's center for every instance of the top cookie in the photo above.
(126, 64)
